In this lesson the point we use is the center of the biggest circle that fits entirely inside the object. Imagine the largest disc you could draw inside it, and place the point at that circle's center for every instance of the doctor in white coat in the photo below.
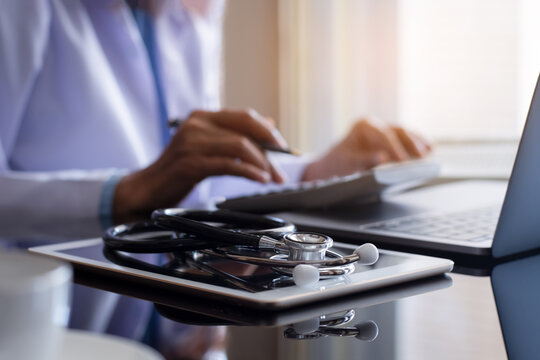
(86, 89)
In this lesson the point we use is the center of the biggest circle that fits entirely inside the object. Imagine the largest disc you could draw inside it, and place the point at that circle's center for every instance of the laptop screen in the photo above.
(519, 224)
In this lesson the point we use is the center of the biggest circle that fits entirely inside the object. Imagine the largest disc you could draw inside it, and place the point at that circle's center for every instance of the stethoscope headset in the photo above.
(244, 237)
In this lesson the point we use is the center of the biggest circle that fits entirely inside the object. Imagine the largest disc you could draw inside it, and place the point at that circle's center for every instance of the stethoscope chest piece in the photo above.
(307, 246)
(311, 249)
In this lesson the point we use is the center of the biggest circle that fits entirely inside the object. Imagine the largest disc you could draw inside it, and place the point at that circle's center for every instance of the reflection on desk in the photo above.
(458, 322)
(516, 286)
(197, 311)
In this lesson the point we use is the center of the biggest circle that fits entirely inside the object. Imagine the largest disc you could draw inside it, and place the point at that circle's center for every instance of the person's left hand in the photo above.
(369, 143)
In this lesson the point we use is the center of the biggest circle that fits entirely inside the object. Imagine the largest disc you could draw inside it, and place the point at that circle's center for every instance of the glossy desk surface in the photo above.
(480, 311)
(451, 317)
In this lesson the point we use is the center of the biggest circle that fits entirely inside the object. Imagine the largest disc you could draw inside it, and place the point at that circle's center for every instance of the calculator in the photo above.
(362, 186)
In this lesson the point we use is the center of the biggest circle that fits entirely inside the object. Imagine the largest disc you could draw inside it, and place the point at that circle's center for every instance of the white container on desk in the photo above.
(34, 305)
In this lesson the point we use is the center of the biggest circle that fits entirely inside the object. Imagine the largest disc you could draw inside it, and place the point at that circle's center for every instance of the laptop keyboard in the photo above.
(471, 225)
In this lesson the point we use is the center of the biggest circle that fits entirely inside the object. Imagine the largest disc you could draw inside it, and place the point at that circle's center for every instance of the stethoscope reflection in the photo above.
(338, 324)
(332, 325)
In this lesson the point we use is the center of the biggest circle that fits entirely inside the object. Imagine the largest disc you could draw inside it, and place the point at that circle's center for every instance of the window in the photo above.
(455, 70)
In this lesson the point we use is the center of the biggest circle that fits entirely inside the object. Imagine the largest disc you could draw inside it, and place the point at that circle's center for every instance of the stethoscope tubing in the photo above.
(193, 223)
(186, 230)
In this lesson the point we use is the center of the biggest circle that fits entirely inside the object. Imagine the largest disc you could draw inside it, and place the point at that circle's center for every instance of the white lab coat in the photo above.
(78, 103)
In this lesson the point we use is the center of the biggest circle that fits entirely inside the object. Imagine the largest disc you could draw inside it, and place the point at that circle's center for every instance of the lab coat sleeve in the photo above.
(32, 204)
(24, 33)
(51, 205)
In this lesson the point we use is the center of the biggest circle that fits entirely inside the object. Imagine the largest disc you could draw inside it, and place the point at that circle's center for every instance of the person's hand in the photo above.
(369, 143)
(206, 144)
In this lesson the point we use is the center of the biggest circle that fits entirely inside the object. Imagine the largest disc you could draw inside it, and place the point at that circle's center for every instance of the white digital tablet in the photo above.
(246, 285)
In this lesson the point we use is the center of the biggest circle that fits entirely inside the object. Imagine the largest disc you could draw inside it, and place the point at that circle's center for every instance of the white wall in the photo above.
(251, 56)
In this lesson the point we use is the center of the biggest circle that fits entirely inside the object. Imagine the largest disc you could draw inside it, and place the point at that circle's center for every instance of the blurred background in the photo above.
(460, 72)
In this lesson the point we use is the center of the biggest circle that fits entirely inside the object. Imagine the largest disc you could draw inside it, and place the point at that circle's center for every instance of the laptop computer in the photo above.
(487, 218)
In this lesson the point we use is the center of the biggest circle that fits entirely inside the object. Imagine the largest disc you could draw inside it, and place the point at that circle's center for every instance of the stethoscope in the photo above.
(340, 324)
(243, 237)
(332, 325)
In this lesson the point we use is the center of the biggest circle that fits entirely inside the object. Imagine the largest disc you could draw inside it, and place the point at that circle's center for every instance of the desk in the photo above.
(459, 321)
(461, 318)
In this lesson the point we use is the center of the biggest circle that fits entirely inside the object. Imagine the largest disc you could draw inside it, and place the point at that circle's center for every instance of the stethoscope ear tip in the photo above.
(305, 275)
(368, 254)
(367, 331)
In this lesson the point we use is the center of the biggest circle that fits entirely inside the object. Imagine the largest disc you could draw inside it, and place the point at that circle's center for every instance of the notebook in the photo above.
(495, 218)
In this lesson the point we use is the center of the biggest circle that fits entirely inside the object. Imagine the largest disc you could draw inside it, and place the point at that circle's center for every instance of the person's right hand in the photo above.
(206, 144)
(369, 143)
